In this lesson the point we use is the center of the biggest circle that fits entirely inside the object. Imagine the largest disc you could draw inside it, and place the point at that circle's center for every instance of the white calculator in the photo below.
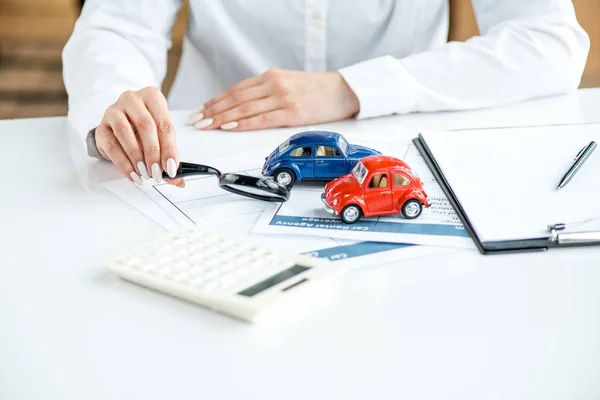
(228, 275)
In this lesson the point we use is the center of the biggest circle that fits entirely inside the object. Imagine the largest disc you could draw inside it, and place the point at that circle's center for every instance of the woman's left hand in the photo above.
(279, 98)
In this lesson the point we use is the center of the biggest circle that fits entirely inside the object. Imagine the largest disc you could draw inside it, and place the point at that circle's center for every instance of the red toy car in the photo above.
(377, 185)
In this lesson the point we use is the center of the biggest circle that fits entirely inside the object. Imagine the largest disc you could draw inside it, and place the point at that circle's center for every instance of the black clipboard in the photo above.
(491, 247)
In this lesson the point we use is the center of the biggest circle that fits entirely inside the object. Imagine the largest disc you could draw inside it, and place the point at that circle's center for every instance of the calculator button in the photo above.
(181, 272)
(211, 251)
(198, 281)
(196, 260)
(197, 275)
(227, 266)
(185, 282)
(211, 273)
(244, 259)
(162, 261)
(164, 249)
(208, 263)
(210, 285)
(148, 265)
(182, 265)
(226, 279)
(258, 253)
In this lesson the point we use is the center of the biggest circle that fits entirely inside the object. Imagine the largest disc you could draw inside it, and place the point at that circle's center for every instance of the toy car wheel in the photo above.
(285, 177)
(412, 209)
(350, 214)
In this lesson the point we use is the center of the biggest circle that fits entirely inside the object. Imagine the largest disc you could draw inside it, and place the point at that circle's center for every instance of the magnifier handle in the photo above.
(189, 169)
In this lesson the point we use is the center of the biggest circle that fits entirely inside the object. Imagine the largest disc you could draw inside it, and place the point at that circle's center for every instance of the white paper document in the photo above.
(304, 214)
(506, 179)
(203, 202)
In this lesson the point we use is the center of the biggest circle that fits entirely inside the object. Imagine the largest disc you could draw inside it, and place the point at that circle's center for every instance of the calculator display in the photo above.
(273, 280)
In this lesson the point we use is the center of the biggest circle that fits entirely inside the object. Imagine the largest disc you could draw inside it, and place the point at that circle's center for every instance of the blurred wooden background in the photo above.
(33, 33)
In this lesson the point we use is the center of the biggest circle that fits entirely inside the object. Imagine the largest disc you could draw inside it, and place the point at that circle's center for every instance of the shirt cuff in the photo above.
(90, 143)
(84, 117)
(383, 87)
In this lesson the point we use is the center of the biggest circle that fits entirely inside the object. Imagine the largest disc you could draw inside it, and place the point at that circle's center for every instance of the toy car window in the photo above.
(343, 143)
(379, 181)
(401, 180)
(301, 152)
(359, 171)
(284, 145)
(328, 151)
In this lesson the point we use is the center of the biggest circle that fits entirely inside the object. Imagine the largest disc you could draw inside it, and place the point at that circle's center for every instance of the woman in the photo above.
(265, 64)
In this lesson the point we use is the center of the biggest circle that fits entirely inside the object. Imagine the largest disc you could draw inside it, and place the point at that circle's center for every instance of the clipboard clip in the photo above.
(572, 237)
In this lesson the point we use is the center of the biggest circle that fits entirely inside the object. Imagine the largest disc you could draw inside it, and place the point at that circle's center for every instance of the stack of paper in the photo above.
(300, 224)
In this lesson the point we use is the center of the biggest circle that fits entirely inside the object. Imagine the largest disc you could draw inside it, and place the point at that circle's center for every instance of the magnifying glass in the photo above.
(256, 188)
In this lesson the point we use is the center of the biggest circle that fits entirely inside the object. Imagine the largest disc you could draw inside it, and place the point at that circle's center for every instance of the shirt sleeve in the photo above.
(526, 49)
(115, 46)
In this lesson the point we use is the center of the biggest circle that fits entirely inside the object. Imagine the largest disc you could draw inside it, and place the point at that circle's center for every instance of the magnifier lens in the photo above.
(250, 189)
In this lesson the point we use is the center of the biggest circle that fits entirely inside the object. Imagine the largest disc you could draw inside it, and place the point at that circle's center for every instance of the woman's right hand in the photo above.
(136, 134)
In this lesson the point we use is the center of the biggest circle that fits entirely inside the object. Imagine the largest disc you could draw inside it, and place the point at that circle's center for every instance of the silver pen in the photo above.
(579, 160)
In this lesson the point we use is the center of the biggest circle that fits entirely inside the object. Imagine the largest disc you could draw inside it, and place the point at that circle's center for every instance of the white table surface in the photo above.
(460, 326)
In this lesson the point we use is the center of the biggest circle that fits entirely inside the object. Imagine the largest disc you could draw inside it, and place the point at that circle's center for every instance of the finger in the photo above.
(179, 182)
(121, 128)
(254, 81)
(110, 146)
(235, 95)
(195, 116)
(100, 149)
(229, 119)
(145, 127)
(169, 155)
(271, 119)
(235, 99)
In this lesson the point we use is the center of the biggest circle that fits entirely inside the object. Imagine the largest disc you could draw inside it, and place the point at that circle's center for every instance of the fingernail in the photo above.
(200, 109)
(195, 118)
(171, 168)
(229, 125)
(143, 170)
(136, 178)
(156, 173)
(203, 123)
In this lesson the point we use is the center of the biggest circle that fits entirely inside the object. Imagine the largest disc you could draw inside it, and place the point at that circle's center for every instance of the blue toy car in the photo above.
(313, 155)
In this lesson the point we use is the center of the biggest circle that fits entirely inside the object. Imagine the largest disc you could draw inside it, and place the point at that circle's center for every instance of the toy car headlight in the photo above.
(335, 202)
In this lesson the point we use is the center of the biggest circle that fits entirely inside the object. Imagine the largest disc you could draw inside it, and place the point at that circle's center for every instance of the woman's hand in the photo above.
(136, 134)
(279, 98)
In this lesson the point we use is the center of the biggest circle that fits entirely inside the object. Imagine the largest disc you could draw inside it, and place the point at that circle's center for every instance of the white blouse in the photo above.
(393, 54)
